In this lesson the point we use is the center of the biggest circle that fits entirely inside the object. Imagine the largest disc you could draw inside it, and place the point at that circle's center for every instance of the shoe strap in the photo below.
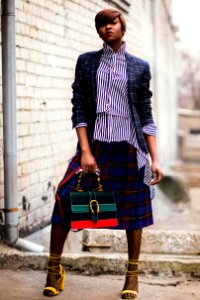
(54, 269)
(54, 257)
(54, 261)
(132, 273)
(129, 292)
(52, 289)
(133, 261)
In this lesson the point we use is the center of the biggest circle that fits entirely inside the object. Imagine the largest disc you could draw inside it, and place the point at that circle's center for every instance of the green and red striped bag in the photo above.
(92, 209)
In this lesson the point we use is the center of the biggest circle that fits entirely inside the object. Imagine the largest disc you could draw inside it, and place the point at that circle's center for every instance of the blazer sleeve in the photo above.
(78, 94)
(144, 105)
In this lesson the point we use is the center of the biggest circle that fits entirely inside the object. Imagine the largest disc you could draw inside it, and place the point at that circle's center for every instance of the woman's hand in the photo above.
(88, 162)
(157, 173)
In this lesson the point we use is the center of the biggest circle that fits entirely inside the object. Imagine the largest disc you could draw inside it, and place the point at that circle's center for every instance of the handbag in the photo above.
(94, 208)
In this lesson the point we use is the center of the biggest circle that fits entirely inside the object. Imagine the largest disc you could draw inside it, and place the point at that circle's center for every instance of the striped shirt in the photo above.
(114, 122)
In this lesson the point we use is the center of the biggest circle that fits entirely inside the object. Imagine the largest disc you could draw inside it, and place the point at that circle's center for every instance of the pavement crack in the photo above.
(162, 284)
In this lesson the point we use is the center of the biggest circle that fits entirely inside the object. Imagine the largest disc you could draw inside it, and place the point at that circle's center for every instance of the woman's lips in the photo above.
(109, 32)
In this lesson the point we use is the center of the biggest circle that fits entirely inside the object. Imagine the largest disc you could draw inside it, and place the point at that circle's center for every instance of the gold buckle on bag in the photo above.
(97, 206)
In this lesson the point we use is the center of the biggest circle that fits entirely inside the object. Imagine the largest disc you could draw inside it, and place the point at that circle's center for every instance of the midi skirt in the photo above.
(119, 172)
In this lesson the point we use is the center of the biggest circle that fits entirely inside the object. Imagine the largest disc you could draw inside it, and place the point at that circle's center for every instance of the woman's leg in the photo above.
(58, 236)
(134, 238)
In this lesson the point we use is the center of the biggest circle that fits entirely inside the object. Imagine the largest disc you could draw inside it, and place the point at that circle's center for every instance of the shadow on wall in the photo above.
(175, 206)
(175, 188)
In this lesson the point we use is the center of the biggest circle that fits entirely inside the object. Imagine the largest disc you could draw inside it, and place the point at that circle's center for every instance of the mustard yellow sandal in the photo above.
(59, 275)
(133, 293)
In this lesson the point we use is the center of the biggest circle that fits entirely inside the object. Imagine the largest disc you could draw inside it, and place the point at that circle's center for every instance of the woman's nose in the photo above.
(108, 25)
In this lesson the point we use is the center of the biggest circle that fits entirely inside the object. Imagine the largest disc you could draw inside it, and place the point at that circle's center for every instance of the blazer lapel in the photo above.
(131, 74)
(94, 67)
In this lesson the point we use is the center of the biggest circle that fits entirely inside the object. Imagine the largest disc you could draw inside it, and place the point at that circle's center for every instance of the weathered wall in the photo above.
(50, 36)
(164, 81)
(189, 125)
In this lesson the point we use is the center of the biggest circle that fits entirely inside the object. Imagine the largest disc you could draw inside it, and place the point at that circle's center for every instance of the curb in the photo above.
(95, 263)
(153, 241)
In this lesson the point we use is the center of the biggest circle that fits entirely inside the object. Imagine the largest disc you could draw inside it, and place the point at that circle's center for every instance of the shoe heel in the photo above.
(61, 283)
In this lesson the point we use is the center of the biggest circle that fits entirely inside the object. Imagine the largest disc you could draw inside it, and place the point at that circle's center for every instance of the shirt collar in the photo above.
(107, 50)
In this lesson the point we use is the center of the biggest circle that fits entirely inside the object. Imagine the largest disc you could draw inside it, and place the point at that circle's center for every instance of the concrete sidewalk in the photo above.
(174, 277)
(18, 280)
(28, 285)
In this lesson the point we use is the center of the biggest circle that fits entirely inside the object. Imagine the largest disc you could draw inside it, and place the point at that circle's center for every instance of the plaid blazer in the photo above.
(85, 93)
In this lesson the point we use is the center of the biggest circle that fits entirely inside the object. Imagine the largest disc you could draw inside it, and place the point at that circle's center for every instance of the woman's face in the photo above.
(111, 32)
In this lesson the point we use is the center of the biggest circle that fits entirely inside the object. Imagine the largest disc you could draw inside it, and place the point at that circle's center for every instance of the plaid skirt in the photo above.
(117, 162)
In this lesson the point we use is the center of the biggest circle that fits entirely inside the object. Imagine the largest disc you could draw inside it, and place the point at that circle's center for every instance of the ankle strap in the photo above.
(54, 269)
(133, 261)
(54, 258)
(132, 273)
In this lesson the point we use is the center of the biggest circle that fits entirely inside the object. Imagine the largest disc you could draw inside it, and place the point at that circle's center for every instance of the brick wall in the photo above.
(50, 36)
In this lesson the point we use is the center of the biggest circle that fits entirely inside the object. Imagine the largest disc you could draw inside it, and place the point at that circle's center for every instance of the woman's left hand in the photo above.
(157, 173)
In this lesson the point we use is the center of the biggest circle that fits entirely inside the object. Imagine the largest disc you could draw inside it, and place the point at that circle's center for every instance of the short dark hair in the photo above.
(108, 15)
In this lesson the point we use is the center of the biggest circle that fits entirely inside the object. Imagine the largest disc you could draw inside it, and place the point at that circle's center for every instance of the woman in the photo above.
(116, 133)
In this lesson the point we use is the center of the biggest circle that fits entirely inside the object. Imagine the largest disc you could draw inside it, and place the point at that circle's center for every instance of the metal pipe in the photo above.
(9, 130)
(25, 245)
(9, 120)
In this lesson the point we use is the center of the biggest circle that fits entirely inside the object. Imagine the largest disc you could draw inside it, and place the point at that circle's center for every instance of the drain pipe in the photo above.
(9, 130)
(9, 120)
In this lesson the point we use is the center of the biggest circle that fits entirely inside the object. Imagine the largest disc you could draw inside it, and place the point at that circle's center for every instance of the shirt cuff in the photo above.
(150, 129)
(81, 125)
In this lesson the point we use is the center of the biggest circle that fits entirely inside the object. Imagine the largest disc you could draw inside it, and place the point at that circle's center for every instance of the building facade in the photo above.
(49, 37)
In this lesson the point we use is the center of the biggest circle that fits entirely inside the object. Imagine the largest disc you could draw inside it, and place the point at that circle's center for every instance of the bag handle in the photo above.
(81, 174)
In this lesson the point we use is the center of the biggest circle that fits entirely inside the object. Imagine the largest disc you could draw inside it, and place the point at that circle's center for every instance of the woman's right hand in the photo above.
(88, 162)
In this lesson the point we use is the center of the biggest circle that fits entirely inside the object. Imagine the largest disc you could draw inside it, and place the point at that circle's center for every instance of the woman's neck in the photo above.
(115, 45)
